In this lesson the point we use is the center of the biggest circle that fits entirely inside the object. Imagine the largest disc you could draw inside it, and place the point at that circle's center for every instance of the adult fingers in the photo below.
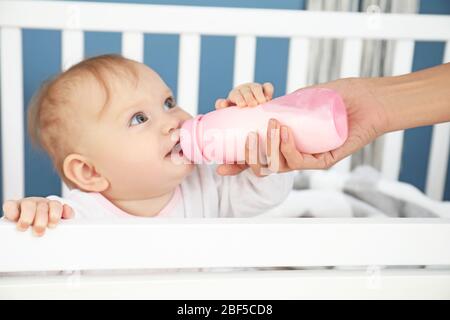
(252, 155)
(230, 169)
(275, 158)
(297, 160)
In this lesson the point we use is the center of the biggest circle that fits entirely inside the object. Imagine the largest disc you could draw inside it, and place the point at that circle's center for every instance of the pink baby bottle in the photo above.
(317, 117)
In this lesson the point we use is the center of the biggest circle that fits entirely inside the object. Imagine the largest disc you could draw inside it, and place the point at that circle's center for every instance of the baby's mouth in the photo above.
(175, 150)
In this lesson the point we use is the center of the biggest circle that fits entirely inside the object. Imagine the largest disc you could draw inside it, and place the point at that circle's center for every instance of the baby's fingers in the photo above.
(236, 97)
(268, 90)
(11, 210)
(67, 212)
(221, 103)
(247, 93)
(258, 93)
(41, 219)
(27, 214)
(55, 213)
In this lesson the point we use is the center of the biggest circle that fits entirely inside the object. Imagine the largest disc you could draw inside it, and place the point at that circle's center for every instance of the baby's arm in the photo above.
(246, 195)
(37, 212)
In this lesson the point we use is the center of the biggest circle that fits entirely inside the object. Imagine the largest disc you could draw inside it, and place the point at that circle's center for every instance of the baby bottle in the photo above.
(317, 117)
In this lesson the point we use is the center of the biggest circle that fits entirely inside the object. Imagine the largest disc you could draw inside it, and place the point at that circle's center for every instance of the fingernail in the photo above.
(272, 122)
(51, 225)
(22, 226)
(38, 233)
(284, 134)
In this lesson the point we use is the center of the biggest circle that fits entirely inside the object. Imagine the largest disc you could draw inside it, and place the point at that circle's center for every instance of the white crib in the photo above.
(373, 258)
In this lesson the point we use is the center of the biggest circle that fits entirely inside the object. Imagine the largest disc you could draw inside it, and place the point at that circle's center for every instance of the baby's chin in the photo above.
(180, 167)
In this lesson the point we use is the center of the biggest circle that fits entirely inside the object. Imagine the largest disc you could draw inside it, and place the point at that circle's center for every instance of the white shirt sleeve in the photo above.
(246, 195)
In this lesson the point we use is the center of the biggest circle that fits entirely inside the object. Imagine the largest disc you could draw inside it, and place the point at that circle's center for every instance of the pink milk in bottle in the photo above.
(317, 117)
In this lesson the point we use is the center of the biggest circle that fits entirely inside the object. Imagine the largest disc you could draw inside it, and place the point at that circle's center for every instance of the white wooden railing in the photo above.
(210, 243)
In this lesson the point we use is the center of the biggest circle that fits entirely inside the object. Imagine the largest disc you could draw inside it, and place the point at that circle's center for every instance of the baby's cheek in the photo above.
(137, 177)
(134, 152)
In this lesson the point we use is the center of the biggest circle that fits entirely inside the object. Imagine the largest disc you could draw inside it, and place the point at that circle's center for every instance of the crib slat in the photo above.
(350, 67)
(447, 52)
(391, 155)
(197, 243)
(298, 63)
(12, 113)
(72, 48)
(244, 64)
(439, 153)
(72, 52)
(244, 59)
(438, 159)
(351, 58)
(393, 142)
(189, 72)
(133, 46)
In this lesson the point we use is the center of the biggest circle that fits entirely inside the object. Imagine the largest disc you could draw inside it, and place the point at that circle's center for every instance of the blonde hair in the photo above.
(50, 108)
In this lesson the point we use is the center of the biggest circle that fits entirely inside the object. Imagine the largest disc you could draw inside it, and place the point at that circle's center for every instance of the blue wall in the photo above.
(42, 58)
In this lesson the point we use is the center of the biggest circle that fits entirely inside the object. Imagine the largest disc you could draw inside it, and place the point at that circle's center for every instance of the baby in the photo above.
(110, 126)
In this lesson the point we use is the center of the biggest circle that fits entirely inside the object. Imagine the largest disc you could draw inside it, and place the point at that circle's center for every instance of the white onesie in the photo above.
(203, 194)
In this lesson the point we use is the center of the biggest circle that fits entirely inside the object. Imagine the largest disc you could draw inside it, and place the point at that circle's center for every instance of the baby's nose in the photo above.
(171, 125)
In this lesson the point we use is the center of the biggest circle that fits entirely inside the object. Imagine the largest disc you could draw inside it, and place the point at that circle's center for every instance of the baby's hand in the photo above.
(247, 95)
(37, 212)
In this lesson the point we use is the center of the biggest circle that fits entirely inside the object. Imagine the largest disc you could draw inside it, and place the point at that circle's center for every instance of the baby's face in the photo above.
(130, 140)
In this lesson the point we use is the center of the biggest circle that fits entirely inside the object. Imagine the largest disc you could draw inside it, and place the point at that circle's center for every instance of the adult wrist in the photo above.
(415, 99)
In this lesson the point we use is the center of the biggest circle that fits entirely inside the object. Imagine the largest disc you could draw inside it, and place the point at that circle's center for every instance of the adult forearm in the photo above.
(416, 99)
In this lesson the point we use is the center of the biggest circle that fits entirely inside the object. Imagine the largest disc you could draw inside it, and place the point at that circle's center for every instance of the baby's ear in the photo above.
(80, 171)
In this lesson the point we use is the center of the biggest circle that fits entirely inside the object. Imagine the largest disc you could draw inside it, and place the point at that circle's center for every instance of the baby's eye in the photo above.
(169, 103)
(138, 118)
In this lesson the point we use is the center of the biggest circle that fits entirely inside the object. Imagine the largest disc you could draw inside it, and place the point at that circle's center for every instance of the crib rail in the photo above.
(200, 243)
(270, 285)
(219, 21)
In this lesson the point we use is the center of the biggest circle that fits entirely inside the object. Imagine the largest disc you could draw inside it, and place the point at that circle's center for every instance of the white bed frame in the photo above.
(373, 258)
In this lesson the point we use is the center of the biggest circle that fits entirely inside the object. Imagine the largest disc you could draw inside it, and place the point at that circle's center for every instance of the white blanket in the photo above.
(361, 193)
